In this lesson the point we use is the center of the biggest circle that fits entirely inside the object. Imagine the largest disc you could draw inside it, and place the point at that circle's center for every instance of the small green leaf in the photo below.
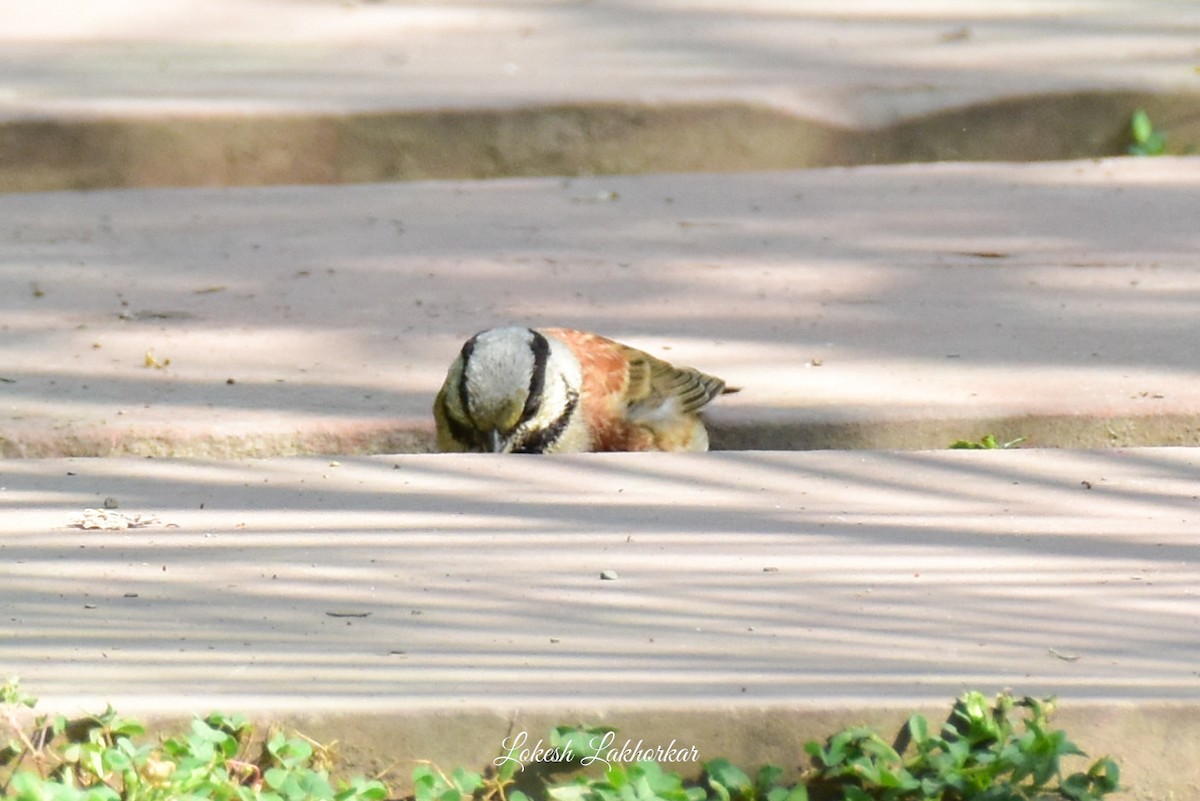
(1077, 787)
(768, 776)
(115, 759)
(573, 791)
(126, 727)
(314, 784)
(276, 777)
(918, 729)
(426, 784)
(727, 780)
(1147, 141)
(617, 775)
(373, 791)
(1141, 126)
(581, 742)
(291, 753)
(1106, 775)
(797, 793)
(467, 782)
(93, 760)
(11, 694)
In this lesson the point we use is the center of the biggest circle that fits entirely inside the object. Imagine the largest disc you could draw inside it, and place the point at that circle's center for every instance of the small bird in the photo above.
(556, 390)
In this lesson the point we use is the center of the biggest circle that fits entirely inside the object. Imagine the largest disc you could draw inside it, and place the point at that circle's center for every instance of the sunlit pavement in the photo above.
(886, 307)
(429, 605)
(369, 595)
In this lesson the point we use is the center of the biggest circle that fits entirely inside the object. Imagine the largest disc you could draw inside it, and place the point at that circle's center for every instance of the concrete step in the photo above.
(884, 307)
(414, 606)
(419, 606)
(238, 92)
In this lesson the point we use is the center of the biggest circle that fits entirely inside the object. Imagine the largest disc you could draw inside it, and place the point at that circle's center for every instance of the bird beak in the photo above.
(496, 441)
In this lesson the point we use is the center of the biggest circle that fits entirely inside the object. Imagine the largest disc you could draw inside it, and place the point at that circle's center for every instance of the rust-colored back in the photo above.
(617, 378)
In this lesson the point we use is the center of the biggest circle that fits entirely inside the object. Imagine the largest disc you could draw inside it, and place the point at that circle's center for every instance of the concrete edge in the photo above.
(1152, 743)
(220, 149)
(799, 431)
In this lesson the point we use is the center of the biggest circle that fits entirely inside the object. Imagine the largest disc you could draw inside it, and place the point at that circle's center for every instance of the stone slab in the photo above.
(417, 580)
(869, 63)
(886, 307)
(431, 603)
(267, 92)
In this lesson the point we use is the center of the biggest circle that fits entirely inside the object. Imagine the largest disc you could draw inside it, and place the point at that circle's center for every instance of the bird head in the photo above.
(510, 390)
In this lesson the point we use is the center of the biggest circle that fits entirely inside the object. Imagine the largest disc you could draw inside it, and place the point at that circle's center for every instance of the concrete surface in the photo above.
(781, 590)
(238, 92)
(868, 63)
(889, 307)
(420, 606)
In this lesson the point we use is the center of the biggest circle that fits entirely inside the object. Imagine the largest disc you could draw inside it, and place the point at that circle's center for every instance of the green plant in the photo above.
(986, 751)
(1147, 140)
(729, 783)
(988, 443)
(103, 758)
(430, 784)
(641, 781)
(1001, 751)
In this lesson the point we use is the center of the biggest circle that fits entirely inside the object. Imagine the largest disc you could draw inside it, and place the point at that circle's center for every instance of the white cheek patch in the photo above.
(563, 376)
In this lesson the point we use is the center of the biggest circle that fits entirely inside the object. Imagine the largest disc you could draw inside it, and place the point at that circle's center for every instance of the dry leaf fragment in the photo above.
(154, 361)
(111, 520)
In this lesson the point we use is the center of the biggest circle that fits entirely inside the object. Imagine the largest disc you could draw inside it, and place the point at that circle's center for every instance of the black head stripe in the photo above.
(463, 395)
(537, 379)
(541, 439)
(464, 434)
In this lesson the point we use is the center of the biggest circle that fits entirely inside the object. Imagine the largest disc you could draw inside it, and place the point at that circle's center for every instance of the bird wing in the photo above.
(653, 384)
(646, 385)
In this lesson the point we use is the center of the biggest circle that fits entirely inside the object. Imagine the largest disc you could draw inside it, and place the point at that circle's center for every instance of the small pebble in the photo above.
(110, 502)
(608, 575)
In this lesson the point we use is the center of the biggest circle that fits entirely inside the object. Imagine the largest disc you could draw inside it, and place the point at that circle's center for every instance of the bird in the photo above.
(559, 390)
